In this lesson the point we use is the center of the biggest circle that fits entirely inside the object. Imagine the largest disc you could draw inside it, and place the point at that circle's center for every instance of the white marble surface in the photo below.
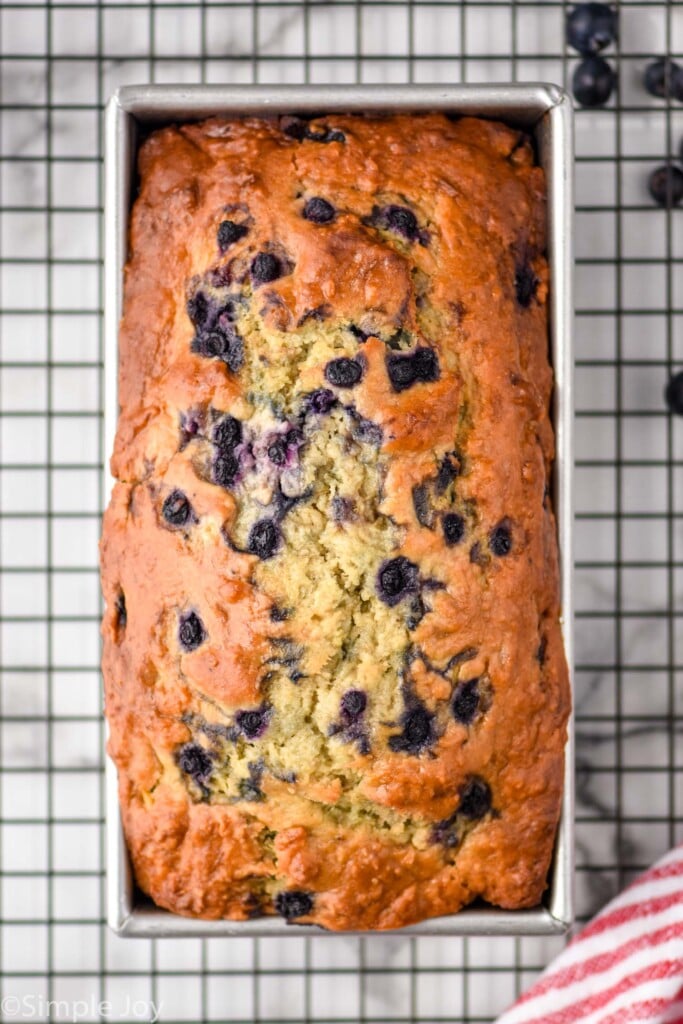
(629, 577)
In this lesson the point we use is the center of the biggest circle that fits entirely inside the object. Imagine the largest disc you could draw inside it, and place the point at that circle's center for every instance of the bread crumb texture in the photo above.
(334, 673)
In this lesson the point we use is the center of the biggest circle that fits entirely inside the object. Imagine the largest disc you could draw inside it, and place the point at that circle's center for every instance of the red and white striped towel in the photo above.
(625, 967)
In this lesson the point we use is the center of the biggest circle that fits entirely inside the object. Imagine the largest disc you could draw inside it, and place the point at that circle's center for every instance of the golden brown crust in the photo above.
(367, 824)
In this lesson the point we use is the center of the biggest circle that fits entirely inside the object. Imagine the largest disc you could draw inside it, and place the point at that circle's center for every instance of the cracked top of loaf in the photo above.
(333, 665)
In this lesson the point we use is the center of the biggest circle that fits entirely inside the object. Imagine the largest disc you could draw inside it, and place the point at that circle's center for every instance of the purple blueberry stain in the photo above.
(343, 509)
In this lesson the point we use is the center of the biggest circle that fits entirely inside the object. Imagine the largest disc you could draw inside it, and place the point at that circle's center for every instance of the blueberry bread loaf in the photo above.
(334, 672)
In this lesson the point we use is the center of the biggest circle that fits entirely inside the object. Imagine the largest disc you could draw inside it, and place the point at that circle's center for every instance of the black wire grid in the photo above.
(59, 64)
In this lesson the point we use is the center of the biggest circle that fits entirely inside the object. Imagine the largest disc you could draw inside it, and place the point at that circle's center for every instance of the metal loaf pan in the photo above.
(545, 112)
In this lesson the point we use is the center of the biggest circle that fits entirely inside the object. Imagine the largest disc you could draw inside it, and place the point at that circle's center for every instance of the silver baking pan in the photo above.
(546, 112)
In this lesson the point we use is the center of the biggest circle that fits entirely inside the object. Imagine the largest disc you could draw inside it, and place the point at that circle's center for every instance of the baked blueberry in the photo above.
(466, 701)
(292, 903)
(227, 433)
(221, 343)
(591, 27)
(416, 612)
(264, 538)
(177, 510)
(666, 185)
(423, 512)
(663, 78)
(398, 219)
(357, 332)
(198, 309)
(418, 731)
(277, 450)
(343, 372)
(229, 232)
(353, 704)
(364, 430)
(195, 761)
(396, 579)
(420, 366)
(191, 632)
(475, 799)
(674, 393)
(593, 81)
(265, 267)
(225, 468)
(319, 211)
(449, 470)
(121, 612)
(500, 539)
(526, 284)
(278, 614)
(298, 129)
(320, 401)
(453, 528)
(252, 723)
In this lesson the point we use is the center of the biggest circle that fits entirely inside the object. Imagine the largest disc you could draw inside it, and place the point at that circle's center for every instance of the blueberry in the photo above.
(500, 540)
(177, 510)
(265, 267)
(364, 430)
(593, 81)
(252, 723)
(277, 451)
(278, 614)
(417, 611)
(191, 633)
(229, 232)
(664, 78)
(453, 528)
(319, 211)
(353, 704)
(227, 433)
(298, 129)
(293, 903)
(423, 512)
(264, 538)
(666, 185)
(526, 284)
(475, 799)
(396, 579)
(398, 219)
(320, 401)
(591, 27)
(358, 333)
(418, 732)
(466, 701)
(195, 761)
(674, 393)
(343, 372)
(325, 134)
(225, 468)
(121, 612)
(449, 470)
(419, 366)
(198, 309)
(221, 343)
(191, 424)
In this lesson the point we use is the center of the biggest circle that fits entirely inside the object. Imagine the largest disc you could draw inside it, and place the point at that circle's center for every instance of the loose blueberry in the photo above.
(191, 633)
(353, 704)
(466, 701)
(195, 761)
(526, 284)
(264, 538)
(591, 27)
(423, 512)
(177, 510)
(398, 219)
(227, 434)
(319, 211)
(500, 540)
(293, 903)
(121, 613)
(418, 732)
(265, 267)
(396, 579)
(475, 799)
(593, 81)
(420, 366)
(229, 232)
(343, 372)
(664, 78)
(453, 528)
(252, 723)
(320, 402)
(225, 468)
(674, 393)
(666, 185)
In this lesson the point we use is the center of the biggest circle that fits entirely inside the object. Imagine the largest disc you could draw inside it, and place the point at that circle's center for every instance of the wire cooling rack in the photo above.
(59, 64)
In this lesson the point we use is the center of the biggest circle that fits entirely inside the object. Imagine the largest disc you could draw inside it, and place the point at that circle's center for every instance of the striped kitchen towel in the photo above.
(625, 967)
